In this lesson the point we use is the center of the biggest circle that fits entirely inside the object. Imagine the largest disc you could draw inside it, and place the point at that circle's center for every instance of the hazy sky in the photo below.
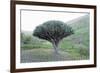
(31, 19)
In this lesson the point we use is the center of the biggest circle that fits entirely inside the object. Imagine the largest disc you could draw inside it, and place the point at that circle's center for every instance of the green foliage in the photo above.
(26, 39)
(53, 30)
(30, 42)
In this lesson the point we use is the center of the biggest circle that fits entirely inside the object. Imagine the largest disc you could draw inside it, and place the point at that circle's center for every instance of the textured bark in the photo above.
(56, 48)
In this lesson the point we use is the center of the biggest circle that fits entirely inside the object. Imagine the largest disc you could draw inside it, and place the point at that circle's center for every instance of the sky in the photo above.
(31, 19)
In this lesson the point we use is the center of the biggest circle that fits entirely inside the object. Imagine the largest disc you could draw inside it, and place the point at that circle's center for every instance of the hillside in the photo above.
(81, 29)
(80, 38)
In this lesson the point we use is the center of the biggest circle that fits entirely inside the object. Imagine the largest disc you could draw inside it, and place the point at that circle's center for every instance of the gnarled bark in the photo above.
(56, 48)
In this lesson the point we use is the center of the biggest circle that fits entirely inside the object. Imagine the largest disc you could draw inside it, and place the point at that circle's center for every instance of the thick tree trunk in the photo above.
(56, 49)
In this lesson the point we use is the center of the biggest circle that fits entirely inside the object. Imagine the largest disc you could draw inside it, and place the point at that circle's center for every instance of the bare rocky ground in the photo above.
(43, 55)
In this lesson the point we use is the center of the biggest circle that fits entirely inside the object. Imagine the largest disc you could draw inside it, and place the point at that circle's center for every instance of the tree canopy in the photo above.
(53, 30)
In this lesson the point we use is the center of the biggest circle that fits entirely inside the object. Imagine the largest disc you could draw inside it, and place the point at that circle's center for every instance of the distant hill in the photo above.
(78, 23)
(27, 32)
(80, 38)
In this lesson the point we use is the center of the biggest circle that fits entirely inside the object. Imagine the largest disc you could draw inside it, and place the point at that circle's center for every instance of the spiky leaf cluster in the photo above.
(53, 30)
